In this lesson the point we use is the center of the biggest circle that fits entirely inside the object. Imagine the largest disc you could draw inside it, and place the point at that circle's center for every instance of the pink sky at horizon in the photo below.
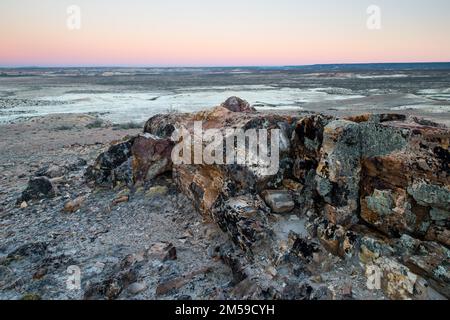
(232, 33)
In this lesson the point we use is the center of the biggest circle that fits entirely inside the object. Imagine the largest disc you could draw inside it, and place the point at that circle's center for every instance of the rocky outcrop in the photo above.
(407, 190)
(371, 188)
(133, 161)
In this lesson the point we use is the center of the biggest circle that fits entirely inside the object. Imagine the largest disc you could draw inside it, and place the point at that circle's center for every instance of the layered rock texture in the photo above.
(373, 189)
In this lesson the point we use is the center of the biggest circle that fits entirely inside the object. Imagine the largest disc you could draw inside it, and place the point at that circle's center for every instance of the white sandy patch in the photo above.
(436, 94)
(139, 106)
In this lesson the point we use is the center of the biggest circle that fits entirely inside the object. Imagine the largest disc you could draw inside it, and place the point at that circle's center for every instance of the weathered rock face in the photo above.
(150, 157)
(134, 161)
(338, 171)
(407, 191)
(112, 166)
(244, 218)
(431, 261)
(364, 184)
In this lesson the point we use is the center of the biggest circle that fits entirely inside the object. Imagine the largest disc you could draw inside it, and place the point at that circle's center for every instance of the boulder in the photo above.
(134, 161)
(38, 188)
(431, 261)
(104, 171)
(236, 104)
(151, 156)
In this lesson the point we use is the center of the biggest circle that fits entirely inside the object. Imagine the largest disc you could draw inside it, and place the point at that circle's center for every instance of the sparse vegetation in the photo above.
(127, 126)
(63, 128)
(97, 123)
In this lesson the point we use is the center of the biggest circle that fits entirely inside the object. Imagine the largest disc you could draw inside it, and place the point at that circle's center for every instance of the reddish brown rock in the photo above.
(74, 205)
(202, 184)
(135, 160)
(151, 156)
(439, 234)
(236, 104)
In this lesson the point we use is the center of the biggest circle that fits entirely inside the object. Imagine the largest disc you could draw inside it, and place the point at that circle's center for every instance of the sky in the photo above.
(222, 33)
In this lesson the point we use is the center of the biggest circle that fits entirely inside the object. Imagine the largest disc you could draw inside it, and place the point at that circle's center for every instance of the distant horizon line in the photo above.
(215, 66)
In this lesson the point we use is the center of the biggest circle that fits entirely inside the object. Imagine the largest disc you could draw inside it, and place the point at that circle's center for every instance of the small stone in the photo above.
(210, 232)
(272, 271)
(23, 205)
(120, 199)
(137, 287)
(168, 285)
(187, 234)
(98, 267)
(279, 200)
(73, 205)
(347, 290)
